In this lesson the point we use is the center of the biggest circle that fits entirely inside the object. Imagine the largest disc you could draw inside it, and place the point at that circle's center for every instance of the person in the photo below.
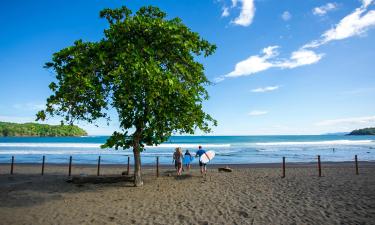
(202, 166)
(177, 158)
(187, 165)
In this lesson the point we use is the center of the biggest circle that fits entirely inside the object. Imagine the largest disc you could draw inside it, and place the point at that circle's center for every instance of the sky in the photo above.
(296, 67)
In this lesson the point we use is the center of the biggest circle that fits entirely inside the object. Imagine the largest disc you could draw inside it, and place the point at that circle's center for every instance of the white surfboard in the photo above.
(208, 156)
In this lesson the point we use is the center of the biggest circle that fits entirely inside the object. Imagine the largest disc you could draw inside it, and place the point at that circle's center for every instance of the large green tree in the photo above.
(145, 68)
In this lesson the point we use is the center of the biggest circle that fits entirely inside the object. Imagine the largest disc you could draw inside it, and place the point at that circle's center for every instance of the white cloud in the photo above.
(225, 12)
(362, 121)
(234, 3)
(286, 16)
(247, 13)
(324, 9)
(265, 89)
(257, 113)
(354, 24)
(219, 79)
(301, 57)
(255, 63)
(366, 3)
(266, 60)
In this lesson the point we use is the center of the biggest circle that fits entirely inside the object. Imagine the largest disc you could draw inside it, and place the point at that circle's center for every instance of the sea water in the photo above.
(229, 149)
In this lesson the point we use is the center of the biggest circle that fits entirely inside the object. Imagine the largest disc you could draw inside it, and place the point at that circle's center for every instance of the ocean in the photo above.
(229, 149)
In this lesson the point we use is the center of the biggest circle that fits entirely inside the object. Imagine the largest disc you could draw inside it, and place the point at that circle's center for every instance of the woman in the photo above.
(177, 158)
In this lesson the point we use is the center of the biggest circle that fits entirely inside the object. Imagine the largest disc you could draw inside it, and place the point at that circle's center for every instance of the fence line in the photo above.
(43, 160)
(283, 167)
(70, 166)
(98, 172)
(12, 165)
(319, 166)
(356, 165)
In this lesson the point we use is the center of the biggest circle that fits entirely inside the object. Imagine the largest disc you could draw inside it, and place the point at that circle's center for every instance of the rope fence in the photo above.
(319, 166)
(157, 166)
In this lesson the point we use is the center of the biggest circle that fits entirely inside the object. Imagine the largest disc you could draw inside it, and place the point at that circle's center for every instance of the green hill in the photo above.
(364, 131)
(36, 129)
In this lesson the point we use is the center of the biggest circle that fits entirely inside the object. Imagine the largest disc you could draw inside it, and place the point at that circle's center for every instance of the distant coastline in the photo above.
(39, 130)
(337, 133)
(364, 131)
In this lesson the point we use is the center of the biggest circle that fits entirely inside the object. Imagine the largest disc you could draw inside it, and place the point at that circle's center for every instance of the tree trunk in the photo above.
(138, 182)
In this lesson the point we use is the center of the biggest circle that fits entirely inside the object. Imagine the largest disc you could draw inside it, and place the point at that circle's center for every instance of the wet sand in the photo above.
(251, 194)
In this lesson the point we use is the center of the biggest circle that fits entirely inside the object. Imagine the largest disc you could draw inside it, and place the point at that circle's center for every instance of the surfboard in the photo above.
(207, 157)
(188, 160)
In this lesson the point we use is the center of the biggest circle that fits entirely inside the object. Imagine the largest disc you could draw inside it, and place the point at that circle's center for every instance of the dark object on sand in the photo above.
(124, 173)
(98, 180)
(225, 169)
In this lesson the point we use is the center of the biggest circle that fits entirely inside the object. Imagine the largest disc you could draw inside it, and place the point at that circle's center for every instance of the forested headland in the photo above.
(35, 129)
(364, 131)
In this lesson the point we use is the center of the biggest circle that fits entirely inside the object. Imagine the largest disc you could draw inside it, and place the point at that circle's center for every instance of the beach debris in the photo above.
(124, 173)
(224, 169)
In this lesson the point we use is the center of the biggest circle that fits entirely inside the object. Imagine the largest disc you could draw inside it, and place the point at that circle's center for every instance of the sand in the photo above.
(251, 194)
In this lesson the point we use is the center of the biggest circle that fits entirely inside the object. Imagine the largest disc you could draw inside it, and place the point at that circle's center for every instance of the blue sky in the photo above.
(296, 67)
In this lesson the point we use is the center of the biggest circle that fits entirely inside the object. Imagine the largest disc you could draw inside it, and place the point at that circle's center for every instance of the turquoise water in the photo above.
(229, 149)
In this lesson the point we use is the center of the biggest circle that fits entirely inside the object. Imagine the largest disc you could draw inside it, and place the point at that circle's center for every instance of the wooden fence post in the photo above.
(319, 166)
(70, 166)
(157, 166)
(356, 165)
(98, 172)
(283, 167)
(12, 165)
(43, 160)
(128, 170)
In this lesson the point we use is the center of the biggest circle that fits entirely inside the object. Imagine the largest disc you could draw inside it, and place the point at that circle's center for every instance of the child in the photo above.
(187, 165)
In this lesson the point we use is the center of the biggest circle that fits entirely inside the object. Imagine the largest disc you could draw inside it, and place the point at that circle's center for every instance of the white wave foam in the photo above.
(268, 150)
(97, 145)
(81, 152)
(333, 142)
(63, 152)
(52, 145)
(194, 146)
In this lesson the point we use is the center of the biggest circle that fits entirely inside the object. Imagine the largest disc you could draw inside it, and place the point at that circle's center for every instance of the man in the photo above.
(202, 166)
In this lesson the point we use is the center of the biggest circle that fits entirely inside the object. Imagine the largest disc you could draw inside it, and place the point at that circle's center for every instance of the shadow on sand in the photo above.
(27, 190)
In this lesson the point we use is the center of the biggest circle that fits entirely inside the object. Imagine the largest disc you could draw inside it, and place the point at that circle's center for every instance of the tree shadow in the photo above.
(28, 190)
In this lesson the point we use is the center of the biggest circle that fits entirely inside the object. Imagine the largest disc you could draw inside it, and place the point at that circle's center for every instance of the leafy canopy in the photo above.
(144, 68)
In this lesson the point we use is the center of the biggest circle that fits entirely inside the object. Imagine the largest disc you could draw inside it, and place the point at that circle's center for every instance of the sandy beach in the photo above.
(251, 194)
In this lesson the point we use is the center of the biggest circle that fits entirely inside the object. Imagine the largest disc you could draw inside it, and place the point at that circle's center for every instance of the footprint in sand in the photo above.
(243, 214)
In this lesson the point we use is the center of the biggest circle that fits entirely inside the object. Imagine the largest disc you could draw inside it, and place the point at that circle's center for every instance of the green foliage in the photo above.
(144, 68)
(35, 129)
(364, 131)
